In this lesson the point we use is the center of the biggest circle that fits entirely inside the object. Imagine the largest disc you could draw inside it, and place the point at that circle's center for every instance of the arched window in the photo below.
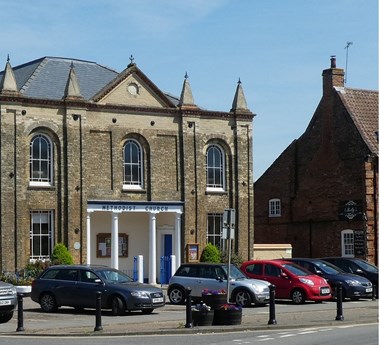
(41, 161)
(133, 165)
(215, 168)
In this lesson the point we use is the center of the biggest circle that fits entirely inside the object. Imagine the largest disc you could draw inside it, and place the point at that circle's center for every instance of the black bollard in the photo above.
(339, 304)
(374, 294)
(98, 316)
(272, 311)
(189, 319)
(20, 313)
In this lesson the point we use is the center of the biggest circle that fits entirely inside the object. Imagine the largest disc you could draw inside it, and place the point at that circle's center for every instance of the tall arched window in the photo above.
(133, 165)
(41, 161)
(215, 168)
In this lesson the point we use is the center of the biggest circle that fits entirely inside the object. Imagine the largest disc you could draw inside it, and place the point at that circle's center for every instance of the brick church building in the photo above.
(321, 194)
(113, 167)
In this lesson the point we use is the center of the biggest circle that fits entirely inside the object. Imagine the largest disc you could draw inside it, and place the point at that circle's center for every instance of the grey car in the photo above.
(8, 301)
(77, 286)
(201, 276)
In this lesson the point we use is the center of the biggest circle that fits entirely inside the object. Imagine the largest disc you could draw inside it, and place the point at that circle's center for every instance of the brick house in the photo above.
(321, 194)
(114, 168)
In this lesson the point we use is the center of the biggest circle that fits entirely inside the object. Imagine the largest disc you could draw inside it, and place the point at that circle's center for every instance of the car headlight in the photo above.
(307, 281)
(14, 291)
(353, 282)
(140, 294)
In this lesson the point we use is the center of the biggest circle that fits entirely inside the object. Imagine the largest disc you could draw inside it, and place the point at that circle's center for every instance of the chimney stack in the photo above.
(332, 77)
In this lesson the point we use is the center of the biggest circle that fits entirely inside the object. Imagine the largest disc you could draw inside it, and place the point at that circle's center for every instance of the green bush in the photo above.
(210, 253)
(61, 256)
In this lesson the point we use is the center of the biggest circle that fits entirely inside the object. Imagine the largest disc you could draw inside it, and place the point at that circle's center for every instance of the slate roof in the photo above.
(46, 78)
(363, 107)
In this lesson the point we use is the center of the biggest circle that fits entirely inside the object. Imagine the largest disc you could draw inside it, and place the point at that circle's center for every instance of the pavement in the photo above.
(171, 319)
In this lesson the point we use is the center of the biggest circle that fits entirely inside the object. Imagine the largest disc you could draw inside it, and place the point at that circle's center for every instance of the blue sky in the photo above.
(277, 47)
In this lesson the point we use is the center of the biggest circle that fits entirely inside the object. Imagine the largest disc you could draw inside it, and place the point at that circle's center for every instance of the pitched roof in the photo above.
(363, 107)
(47, 77)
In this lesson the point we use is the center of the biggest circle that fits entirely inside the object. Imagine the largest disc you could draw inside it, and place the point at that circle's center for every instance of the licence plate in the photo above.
(5, 302)
(325, 291)
(158, 300)
(368, 290)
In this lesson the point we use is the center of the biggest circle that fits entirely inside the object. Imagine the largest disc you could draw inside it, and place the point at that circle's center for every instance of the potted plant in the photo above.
(228, 314)
(214, 298)
(202, 315)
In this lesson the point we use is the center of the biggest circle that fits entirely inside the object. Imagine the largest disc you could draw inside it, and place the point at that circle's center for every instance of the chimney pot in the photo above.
(333, 61)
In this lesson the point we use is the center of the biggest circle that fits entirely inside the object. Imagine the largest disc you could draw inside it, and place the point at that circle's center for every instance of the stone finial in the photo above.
(186, 99)
(8, 84)
(72, 90)
(239, 103)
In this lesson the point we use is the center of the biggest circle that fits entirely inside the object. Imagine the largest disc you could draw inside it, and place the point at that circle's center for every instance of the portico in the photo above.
(129, 224)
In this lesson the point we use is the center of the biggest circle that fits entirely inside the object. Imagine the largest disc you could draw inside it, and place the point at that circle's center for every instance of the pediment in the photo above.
(133, 88)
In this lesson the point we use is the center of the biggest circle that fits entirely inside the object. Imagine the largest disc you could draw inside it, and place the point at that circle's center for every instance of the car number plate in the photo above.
(325, 291)
(368, 290)
(158, 300)
(5, 302)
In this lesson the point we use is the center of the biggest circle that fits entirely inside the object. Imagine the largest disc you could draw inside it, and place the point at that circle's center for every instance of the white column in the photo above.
(152, 248)
(115, 241)
(88, 238)
(177, 239)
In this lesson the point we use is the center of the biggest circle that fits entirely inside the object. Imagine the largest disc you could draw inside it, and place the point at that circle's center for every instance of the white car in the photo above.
(201, 276)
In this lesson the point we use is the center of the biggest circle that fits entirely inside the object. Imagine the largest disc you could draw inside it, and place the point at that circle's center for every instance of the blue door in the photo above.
(165, 260)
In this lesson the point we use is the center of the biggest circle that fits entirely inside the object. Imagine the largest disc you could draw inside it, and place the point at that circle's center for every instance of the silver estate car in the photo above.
(201, 276)
(77, 286)
(8, 301)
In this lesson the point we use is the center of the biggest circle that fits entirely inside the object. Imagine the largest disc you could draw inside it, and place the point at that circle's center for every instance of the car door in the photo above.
(87, 287)
(65, 286)
(275, 275)
(209, 279)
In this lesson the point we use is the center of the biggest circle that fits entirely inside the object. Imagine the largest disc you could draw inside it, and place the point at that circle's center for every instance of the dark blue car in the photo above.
(353, 286)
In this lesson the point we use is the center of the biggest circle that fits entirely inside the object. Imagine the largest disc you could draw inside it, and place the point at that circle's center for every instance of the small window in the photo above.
(215, 168)
(347, 239)
(103, 243)
(132, 165)
(214, 229)
(274, 208)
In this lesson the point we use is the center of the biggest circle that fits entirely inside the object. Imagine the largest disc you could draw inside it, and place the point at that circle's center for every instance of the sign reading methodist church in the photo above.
(134, 207)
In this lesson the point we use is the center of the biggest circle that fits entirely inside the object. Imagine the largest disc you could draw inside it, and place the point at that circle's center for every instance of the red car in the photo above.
(291, 281)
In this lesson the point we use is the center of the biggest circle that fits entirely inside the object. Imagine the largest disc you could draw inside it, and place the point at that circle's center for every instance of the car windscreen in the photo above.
(114, 276)
(367, 266)
(327, 268)
(235, 273)
(297, 270)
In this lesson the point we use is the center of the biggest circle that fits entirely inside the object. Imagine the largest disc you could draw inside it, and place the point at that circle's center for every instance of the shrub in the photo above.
(61, 256)
(210, 253)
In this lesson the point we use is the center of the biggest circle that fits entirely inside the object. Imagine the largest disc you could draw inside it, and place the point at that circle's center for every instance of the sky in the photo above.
(278, 49)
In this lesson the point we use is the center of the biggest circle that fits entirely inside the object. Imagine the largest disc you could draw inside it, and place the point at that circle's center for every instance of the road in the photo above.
(336, 335)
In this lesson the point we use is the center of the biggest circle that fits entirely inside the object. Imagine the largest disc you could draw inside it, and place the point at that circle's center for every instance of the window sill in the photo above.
(35, 187)
(134, 191)
(216, 192)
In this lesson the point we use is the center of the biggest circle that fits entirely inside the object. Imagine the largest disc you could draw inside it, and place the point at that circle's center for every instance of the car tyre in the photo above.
(117, 306)
(48, 303)
(177, 295)
(243, 298)
(298, 296)
(5, 317)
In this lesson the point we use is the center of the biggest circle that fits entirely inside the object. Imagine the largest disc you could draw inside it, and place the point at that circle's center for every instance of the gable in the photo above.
(132, 88)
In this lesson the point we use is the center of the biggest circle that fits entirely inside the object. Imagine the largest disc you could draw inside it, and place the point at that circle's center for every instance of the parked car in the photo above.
(353, 286)
(359, 267)
(210, 276)
(8, 301)
(76, 286)
(291, 281)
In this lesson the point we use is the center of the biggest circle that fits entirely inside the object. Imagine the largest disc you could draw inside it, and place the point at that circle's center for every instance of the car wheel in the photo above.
(147, 311)
(298, 296)
(117, 306)
(48, 303)
(6, 317)
(243, 298)
(177, 295)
